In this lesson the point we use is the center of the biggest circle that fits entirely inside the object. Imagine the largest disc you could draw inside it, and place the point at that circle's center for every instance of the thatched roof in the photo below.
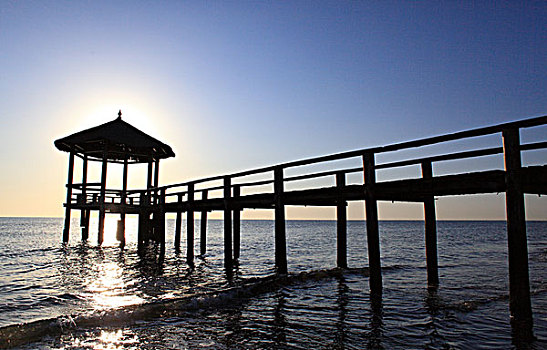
(120, 140)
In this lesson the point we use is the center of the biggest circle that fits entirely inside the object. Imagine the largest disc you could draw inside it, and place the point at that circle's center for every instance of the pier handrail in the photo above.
(483, 131)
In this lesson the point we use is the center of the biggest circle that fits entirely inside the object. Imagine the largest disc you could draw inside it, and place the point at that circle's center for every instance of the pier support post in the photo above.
(178, 224)
(280, 233)
(190, 226)
(160, 223)
(430, 219)
(341, 225)
(85, 233)
(66, 230)
(373, 236)
(84, 219)
(203, 233)
(237, 223)
(519, 283)
(228, 263)
(102, 199)
(121, 237)
(143, 217)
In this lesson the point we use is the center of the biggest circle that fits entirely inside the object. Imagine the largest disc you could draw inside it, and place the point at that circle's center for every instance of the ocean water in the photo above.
(80, 296)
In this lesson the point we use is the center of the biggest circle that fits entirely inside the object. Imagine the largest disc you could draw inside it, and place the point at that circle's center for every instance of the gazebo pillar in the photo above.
(120, 234)
(102, 199)
(84, 213)
(159, 215)
(157, 174)
(66, 230)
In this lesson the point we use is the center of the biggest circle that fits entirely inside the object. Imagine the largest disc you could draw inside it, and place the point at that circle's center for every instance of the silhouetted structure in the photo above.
(225, 193)
(112, 142)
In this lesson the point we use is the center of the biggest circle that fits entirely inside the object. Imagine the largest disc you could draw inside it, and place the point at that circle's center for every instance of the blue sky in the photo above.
(238, 85)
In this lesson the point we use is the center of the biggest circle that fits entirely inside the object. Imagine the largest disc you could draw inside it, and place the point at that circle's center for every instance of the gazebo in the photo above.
(114, 142)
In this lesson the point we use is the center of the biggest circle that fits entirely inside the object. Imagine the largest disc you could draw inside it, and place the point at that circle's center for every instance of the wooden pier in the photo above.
(233, 193)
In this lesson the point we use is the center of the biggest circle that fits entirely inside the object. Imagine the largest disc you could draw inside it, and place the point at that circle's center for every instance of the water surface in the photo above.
(83, 296)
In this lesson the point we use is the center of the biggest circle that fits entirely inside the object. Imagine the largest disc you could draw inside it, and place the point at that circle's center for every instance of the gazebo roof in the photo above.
(120, 140)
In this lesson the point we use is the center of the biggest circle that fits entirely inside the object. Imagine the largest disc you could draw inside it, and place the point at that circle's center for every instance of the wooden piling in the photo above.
(144, 215)
(84, 220)
(190, 226)
(280, 234)
(341, 225)
(519, 283)
(178, 226)
(228, 263)
(143, 220)
(203, 233)
(66, 230)
(430, 219)
(373, 236)
(160, 224)
(123, 202)
(85, 228)
(102, 199)
(237, 222)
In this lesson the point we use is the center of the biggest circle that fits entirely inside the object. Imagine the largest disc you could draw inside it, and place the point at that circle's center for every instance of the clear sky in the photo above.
(238, 85)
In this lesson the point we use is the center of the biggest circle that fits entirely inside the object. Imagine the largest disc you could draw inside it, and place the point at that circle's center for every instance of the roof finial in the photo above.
(120, 114)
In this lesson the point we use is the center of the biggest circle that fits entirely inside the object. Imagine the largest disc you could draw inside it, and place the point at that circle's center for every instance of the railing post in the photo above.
(203, 236)
(237, 222)
(228, 263)
(190, 226)
(430, 219)
(178, 224)
(373, 236)
(341, 224)
(280, 234)
(66, 230)
(519, 283)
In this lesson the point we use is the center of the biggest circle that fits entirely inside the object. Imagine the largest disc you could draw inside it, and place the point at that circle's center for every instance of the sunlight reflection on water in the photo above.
(115, 340)
(108, 290)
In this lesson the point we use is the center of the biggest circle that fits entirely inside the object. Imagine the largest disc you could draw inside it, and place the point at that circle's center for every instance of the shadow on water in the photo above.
(151, 261)
(279, 320)
(376, 322)
(342, 303)
(433, 308)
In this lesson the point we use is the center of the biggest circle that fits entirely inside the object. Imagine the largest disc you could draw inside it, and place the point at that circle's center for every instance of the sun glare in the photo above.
(140, 117)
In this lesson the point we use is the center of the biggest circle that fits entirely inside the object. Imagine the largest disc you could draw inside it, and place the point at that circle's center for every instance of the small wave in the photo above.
(60, 299)
(16, 335)
(465, 306)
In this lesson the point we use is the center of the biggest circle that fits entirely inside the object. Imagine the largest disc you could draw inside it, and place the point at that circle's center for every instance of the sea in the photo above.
(84, 296)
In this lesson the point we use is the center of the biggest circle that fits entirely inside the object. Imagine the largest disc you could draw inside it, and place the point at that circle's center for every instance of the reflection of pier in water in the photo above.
(265, 188)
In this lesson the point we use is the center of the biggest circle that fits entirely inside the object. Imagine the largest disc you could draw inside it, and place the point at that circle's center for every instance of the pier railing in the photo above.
(241, 183)
(180, 192)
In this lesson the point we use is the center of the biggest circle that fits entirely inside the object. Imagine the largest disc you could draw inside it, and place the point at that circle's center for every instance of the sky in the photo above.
(236, 85)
